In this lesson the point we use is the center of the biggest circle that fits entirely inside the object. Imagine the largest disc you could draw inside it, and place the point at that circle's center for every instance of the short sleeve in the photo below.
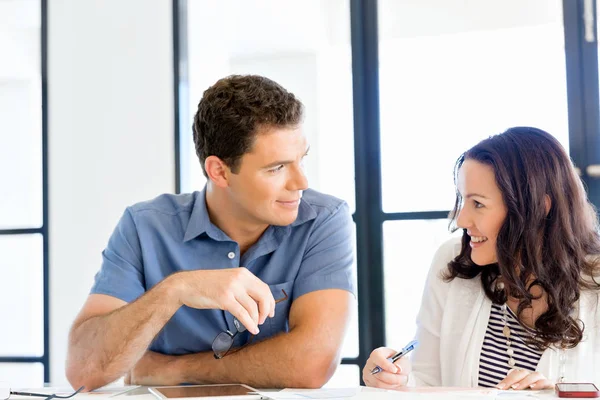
(121, 274)
(329, 256)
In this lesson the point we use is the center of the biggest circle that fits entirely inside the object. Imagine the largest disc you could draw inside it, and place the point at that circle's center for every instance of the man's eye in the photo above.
(276, 169)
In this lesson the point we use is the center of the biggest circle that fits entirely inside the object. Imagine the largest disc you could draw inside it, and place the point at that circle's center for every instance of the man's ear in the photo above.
(217, 171)
(548, 204)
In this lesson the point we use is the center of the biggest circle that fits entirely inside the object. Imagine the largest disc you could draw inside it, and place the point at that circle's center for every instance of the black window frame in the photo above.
(44, 229)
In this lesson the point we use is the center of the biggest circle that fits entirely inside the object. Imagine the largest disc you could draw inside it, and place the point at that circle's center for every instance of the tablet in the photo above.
(206, 392)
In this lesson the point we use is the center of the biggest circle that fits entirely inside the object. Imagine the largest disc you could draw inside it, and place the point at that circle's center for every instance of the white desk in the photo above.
(359, 393)
(364, 393)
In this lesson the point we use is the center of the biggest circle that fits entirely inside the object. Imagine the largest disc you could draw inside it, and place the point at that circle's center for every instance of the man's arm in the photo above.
(109, 336)
(306, 357)
(118, 320)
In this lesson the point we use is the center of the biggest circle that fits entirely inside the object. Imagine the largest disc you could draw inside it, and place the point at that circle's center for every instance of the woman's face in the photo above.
(482, 211)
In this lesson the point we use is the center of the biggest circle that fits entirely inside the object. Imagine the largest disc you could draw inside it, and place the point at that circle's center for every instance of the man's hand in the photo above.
(236, 290)
(518, 379)
(153, 369)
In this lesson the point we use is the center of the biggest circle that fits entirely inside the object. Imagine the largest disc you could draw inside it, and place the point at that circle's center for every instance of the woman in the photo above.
(514, 304)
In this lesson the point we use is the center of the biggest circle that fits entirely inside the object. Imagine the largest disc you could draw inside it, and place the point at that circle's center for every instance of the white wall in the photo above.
(110, 136)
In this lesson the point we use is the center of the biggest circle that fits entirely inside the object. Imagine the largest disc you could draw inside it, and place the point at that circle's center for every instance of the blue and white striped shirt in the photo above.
(493, 361)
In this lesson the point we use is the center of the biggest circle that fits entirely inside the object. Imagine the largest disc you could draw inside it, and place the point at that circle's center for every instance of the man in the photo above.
(184, 276)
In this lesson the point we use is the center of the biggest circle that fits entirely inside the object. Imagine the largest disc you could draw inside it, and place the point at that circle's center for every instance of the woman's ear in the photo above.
(548, 204)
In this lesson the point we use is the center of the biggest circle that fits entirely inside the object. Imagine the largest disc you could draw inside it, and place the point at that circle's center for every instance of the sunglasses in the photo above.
(224, 341)
(5, 394)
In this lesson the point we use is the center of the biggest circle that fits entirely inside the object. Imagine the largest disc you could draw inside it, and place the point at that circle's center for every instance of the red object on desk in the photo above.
(577, 390)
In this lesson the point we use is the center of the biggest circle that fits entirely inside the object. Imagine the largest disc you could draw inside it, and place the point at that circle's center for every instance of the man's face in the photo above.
(269, 184)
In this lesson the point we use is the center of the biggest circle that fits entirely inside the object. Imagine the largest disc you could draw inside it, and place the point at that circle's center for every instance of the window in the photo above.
(450, 76)
(427, 80)
(270, 38)
(23, 223)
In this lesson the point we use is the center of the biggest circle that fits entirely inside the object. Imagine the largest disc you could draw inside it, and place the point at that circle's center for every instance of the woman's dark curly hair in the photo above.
(555, 250)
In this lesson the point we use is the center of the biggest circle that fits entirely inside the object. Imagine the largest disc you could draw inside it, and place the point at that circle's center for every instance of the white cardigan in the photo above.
(451, 325)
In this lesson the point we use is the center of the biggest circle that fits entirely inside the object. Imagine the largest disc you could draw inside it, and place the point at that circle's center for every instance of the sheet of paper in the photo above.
(114, 390)
(295, 394)
(467, 393)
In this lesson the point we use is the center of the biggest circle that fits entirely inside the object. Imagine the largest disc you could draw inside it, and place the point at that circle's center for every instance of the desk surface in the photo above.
(355, 393)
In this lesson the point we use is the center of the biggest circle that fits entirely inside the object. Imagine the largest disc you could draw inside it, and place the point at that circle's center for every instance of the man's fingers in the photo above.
(242, 315)
(255, 297)
(272, 314)
(261, 294)
(265, 308)
(251, 307)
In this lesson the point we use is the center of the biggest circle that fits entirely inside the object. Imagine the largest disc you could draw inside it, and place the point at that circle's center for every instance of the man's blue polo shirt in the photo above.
(172, 233)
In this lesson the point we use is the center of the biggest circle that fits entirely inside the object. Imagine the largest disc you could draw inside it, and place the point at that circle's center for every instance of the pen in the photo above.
(405, 350)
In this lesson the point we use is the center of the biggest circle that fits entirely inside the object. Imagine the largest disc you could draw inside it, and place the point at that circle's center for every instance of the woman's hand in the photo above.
(519, 379)
(392, 376)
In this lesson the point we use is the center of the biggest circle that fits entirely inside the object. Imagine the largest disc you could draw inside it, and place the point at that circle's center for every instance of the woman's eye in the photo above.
(478, 204)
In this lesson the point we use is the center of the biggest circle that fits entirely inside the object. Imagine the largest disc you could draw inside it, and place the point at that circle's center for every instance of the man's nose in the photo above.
(298, 179)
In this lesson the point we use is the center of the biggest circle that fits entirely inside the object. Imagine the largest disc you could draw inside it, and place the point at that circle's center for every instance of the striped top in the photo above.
(493, 361)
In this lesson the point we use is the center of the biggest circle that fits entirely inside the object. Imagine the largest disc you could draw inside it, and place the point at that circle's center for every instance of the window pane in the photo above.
(345, 376)
(453, 73)
(21, 281)
(271, 38)
(20, 115)
(22, 375)
(409, 247)
(350, 346)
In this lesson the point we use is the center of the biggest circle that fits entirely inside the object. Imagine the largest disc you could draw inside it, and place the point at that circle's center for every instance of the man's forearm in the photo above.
(287, 360)
(306, 357)
(105, 347)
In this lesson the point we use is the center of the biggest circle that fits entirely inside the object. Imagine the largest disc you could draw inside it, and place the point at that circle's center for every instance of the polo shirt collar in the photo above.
(200, 223)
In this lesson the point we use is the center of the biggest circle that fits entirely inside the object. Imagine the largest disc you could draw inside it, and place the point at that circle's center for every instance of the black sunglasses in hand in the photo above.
(5, 395)
(223, 341)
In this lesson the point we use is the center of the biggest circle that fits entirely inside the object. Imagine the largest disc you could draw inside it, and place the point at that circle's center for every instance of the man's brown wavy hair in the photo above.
(555, 250)
(232, 111)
